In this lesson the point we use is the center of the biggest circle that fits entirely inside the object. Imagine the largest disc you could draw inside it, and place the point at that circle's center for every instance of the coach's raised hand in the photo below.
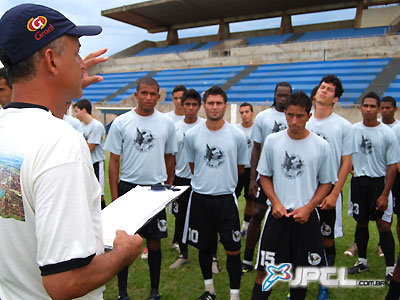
(89, 61)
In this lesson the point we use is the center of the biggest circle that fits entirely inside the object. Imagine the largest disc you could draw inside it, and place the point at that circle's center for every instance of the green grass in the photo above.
(187, 283)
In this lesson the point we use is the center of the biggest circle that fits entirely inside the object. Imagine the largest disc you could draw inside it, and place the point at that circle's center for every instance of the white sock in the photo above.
(235, 295)
(209, 286)
(389, 270)
(364, 261)
(245, 226)
(250, 263)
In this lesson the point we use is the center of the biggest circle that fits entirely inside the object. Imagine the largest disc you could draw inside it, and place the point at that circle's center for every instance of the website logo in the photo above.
(36, 23)
(276, 273)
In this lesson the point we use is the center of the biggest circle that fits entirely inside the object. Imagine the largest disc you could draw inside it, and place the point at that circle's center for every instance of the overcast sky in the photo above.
(117, 36)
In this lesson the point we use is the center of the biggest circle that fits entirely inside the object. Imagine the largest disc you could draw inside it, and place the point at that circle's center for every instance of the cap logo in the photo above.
(36, 23)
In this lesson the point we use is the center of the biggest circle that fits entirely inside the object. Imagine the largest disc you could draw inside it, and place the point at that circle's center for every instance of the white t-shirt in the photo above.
(216, 155)
(75, 123)
(142, 143)
(296, 167)
(95, 133)
(338, 132)
(396, 130)
(247, 133)
(267, 122)
(50, 201)
(396, 122)
(174, 117)
(377, 148)
(182, 168)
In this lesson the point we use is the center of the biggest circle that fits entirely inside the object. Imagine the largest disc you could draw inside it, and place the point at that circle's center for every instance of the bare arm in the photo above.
(170, 166)
(240, 169)
(91, 147)
(329, 201)
(78, 282)
(301, 214)
(382, 201)
(191, 165)
(113, 175)
(278, 210)
(255, 156)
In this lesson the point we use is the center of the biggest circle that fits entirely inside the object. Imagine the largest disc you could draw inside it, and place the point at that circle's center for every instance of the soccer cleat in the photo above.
(207, 296)
(243, 233)
(246, 268)
(358, 267)
(389, 278)
(215, 266)
(123, 298)
(154, 295)
(352, 250)
(145, 254)
(379, 250)
(179, 262)
(323, 293)
(175, 246)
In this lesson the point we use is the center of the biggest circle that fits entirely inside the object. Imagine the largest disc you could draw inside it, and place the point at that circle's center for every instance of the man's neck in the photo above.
(247, 124)
(388, 122)
(371, 123)
(298, 135)
(179, 112)
(190, 120)
(87, 119)
(143, 113)
(322, 112)
(215, 125)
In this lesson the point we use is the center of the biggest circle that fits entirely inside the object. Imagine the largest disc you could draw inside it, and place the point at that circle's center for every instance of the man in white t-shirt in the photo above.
(94, 133)
(246, 114)
(370, 191)
(50, 222)
(142, 145)
(216, 152)
(338, 132)
(388, 108)
(177, 114)
(296, 171)
(75, 123)
(268, 121)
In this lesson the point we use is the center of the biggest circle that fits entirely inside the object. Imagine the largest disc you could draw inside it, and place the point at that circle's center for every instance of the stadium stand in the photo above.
(271, 39)
(394, 88)
(168, 49)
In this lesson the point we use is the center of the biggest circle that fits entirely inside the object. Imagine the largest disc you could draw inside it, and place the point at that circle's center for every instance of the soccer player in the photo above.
(388, 108)
(50, 222)
(5, 87)
(247, 115)
(217, 153)
(142, 144)
(177, 114)
(267, 122)
(75, 123)
(191, 103)
(338, 132)
(296, 170)
(94, 134)
(374, 172)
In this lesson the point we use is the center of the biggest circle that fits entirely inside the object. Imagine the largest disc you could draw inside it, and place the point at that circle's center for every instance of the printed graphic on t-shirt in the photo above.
(366, 145)
(321, 134)
(214, 157)
(144, 140)
(249, 143)
(278, 126)
(293, 165)
(11, 204)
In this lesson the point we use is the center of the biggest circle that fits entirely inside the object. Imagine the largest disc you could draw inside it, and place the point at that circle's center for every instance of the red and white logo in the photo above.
(36, 23)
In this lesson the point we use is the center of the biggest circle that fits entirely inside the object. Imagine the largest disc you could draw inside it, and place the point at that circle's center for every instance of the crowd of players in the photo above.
(292, 164)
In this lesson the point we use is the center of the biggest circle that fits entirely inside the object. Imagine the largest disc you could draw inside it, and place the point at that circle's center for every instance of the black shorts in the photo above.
(156, 227)
(364, 193)
(262, 198)
(286, 241)
(210, 215)
(179, 208)
(396, 194)
(243, 182)
(327, 220)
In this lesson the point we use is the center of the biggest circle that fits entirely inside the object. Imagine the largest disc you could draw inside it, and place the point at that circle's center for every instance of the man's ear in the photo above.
(50, 61)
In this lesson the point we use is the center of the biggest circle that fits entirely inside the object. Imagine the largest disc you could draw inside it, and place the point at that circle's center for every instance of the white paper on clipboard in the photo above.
(134, 209)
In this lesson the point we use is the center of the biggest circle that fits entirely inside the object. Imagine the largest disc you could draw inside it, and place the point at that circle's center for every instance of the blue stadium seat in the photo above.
(394, 89)
(166, 49)
(267, 40)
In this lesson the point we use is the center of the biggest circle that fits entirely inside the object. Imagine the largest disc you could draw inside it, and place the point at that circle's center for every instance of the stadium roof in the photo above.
(164, 15)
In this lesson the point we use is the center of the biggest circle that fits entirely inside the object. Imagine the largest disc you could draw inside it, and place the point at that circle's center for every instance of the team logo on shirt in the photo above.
(321, 134)
(214, 157)
(236, 236)
(144, 140)
(162, 225)
(326, 230)
(278, 127)
(293, 165)
(314, 259)
(366, 145)
(249, 143)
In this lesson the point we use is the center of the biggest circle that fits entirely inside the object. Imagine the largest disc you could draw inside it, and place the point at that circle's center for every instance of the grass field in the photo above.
(186, 282)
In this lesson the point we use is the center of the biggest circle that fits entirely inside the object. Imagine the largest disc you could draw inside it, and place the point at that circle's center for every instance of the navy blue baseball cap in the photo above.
(26, 28)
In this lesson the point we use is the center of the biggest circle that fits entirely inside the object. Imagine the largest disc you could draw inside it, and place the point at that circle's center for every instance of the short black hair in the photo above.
(299, 98)
(215, 90)
(179, 88)
(372, 95)
(84, 104)
(247, 104)
(332, 78)
(282, 83)
(147, 80)
(385, 99)
(4, 74)
(191, 94)
(314, 92)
